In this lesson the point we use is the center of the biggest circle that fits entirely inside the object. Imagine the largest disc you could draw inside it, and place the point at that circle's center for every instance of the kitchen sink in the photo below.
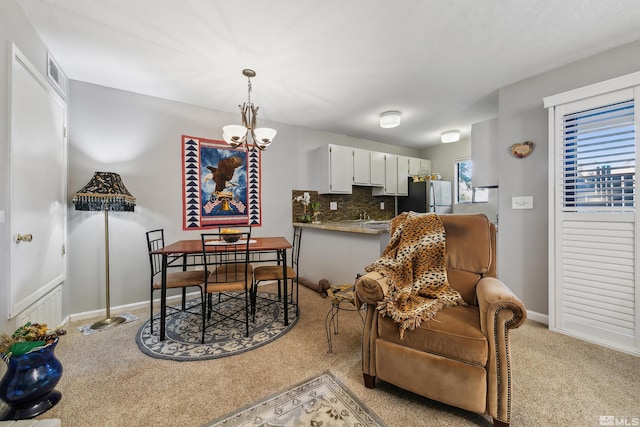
(378, 225)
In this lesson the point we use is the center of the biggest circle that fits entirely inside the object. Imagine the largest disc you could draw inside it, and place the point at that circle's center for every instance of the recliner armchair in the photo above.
(460, 357)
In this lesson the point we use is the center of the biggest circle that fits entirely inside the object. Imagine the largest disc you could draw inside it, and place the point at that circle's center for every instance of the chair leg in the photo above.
(246, 311)
(151, 311)
(254, 300)
(498, 423)
(369, 381)
(204, 308)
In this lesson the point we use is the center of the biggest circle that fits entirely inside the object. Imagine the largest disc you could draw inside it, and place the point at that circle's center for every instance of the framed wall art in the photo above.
(221, 185)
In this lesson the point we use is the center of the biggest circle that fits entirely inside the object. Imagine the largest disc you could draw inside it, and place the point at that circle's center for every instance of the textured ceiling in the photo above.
(331, 65)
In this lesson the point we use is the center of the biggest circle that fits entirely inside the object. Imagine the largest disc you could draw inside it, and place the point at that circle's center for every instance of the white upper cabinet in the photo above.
(368, 168)
(341, 167)
(335, 169)
(361, 166)
(402, 188)
(377, 169)
(396, 176)
(419, 166)
(484, 153)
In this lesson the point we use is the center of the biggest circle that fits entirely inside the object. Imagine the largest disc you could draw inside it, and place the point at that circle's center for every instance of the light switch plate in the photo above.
(522, 202)
(333, 206)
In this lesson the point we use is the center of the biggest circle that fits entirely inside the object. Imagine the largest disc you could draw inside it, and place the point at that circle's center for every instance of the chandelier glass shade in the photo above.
(247, 133)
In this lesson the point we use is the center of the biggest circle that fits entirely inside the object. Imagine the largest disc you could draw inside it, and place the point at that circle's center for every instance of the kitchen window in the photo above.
(465, 191)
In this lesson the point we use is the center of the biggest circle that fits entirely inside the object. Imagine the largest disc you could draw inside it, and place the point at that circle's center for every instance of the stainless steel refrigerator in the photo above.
(427, 196)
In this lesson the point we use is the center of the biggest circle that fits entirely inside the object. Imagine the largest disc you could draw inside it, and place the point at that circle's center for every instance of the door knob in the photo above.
(24, 238)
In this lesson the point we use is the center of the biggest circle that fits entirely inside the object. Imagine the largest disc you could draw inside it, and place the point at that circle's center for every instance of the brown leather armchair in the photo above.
(461, 357)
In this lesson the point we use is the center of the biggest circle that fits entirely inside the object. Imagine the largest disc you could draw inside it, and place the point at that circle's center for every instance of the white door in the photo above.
(38, 186)
(593, 236)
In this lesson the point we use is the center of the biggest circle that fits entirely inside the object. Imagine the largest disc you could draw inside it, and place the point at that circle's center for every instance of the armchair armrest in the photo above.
(500, 310)
(494, 296)
(371, 288)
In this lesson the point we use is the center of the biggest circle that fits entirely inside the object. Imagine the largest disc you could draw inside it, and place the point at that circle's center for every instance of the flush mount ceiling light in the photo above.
(248, 134)
(390, 119)
(450, 136)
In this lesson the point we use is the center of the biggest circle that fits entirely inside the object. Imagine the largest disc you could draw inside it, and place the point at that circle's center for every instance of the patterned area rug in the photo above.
(226, 338)
(322, 401)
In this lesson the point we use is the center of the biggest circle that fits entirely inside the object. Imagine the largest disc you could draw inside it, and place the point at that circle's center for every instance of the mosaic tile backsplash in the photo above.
(350, 206)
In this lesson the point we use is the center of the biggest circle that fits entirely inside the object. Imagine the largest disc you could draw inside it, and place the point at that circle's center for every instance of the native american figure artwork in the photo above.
(221, 184)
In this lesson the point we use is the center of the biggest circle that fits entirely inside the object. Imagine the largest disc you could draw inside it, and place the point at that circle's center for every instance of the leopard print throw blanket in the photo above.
(415, 264)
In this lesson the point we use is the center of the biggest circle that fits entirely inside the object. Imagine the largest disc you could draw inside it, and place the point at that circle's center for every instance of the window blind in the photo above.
(598, 168)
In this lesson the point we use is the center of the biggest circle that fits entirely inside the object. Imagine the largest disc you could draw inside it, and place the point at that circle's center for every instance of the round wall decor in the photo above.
(522, 150)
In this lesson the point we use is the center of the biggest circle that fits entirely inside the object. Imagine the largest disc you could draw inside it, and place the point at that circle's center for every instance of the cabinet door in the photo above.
(361, 166)
(377, 169)
(390, 177)
(391, 174)
(341, 165)
(402, 182)
(335, 169)
(425, 166)
(419, 166)
(414, 166)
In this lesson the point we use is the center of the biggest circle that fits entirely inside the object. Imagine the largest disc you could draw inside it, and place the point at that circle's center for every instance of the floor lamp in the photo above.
(105, 192)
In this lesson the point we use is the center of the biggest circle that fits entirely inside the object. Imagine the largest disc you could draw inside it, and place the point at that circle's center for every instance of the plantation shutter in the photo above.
(593, 279)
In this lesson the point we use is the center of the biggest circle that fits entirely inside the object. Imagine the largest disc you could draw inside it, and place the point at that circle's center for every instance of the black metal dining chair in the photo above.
(176, 279)
(229, 274)
(274, 272)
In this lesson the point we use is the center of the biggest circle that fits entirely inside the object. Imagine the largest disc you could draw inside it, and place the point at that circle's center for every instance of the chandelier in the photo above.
(248, 134)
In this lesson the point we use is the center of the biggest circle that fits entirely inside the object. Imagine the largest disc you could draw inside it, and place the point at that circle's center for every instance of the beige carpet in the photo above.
(107, 381)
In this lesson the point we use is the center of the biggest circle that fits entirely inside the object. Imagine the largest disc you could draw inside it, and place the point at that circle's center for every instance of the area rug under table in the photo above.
(322, 401)
(183, 331)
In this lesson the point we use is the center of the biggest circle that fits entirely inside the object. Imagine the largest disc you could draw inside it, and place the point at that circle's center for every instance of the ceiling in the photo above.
(331, 65)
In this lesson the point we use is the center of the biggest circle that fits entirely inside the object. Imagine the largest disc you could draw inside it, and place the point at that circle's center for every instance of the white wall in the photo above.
(14, 28)
(443, 158)
(522, 240)
(522, 237)
(139, 137)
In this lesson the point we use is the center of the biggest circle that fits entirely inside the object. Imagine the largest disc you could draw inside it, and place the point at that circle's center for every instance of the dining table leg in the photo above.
(163, 297)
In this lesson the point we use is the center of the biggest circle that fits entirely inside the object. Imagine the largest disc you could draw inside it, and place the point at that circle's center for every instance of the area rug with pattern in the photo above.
(322, 401)
(223, 338)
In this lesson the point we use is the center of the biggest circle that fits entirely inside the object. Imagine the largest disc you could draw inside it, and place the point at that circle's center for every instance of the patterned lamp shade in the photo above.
(104, 191)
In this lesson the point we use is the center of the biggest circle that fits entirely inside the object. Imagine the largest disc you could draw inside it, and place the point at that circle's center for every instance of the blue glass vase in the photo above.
(27, 387)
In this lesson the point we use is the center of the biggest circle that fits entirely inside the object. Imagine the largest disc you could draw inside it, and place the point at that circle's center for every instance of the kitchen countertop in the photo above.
(355, 226)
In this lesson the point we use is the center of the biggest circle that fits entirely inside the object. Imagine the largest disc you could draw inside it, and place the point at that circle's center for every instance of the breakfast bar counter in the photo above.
(337, 251)
(355, 226)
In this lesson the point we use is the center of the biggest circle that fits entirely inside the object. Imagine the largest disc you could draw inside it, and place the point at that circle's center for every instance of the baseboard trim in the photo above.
(92, 314)
(125, 308)
(538, 317)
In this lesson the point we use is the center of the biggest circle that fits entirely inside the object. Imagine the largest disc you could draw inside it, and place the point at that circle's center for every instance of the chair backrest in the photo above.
(233, 256)
(471, 252)
(295, 247)
(155, 240)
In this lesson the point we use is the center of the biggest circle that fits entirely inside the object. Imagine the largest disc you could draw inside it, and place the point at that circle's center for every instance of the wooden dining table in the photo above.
(193, 247)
